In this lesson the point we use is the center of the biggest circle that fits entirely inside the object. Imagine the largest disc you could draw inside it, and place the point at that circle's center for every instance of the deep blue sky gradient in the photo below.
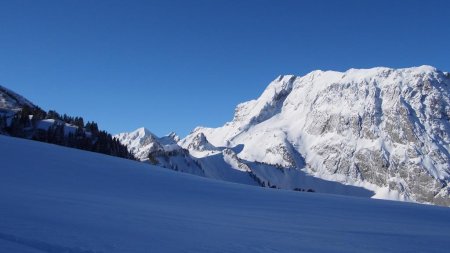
(174, 65)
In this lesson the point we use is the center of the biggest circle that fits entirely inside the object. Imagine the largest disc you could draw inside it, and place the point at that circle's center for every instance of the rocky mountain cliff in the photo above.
(383, 129)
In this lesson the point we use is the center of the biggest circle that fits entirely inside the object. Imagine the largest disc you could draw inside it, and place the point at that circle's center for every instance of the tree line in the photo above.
(65, 131)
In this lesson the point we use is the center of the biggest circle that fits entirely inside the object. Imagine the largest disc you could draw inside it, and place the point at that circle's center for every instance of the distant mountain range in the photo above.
(377, 132)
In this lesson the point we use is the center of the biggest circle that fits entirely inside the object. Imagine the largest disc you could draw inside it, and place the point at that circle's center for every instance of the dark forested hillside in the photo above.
(20, 118)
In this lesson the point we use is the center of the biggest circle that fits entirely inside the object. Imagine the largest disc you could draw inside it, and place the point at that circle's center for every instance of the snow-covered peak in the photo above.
(141, 142)
(267, 104)
(201, 143)
(141, 132)
(421, 69)
(383, 126)
(173, 136)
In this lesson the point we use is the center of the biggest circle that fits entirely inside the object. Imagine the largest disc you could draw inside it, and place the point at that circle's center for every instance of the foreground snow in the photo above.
(55, 199)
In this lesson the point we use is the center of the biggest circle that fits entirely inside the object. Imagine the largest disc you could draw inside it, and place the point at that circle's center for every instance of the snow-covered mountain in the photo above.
(162, 151)
(377, 132)
(142, 142)
(203, 159)
(383, 129)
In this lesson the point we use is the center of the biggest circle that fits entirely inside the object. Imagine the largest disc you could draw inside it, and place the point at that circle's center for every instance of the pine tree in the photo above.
(152, 159)
(2, 122)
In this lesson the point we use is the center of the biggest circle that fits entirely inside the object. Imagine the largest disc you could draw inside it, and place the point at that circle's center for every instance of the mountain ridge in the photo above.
(386, 130)
(431, 84)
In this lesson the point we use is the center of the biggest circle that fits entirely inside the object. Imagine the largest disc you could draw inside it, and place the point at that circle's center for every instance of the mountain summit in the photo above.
(383, 129)
(377, 132)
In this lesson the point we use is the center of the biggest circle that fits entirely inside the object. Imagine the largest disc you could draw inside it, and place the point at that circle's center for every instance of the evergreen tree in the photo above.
(16, 127)
(152, 159)
(53, 115)
(92, 127)
(79, 122)
(2, 122)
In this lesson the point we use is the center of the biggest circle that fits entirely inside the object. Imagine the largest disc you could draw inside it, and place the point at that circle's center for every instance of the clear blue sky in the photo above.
(174, 65)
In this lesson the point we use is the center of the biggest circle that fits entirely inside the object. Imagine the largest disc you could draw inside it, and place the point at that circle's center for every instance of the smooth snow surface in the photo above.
(56, 199)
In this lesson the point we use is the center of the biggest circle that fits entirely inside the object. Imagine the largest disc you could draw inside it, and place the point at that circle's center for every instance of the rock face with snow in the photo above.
(383, 129)
(161, 151)
(200, 143)
(141, 143)
(11, 101)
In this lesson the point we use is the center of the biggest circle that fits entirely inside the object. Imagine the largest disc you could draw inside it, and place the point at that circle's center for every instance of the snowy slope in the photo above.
(56, 199)
(383, 129)
(11, 101)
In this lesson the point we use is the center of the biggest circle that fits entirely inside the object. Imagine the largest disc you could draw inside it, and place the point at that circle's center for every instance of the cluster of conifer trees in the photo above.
(65, 131)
